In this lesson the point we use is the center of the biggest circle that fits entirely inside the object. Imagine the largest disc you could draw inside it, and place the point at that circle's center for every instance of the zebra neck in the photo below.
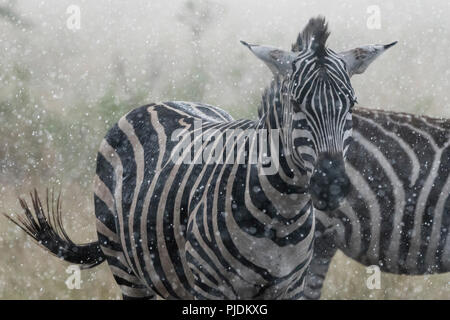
(275, 119)
(283, 182)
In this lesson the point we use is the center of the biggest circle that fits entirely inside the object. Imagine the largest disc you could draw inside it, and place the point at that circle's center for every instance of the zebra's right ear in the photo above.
(278, 61)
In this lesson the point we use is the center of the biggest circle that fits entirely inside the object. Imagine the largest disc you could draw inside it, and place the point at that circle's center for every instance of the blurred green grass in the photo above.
(346, 279)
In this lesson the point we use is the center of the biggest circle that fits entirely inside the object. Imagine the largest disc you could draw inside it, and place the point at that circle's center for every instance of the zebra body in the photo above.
(194, 230)
(221, 225)
(397, 214)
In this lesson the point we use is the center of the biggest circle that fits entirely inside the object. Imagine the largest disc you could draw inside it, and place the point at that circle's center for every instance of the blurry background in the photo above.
(61, 88)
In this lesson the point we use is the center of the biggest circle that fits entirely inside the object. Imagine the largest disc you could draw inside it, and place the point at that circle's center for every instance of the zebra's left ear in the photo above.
(278, 61)
(360, 58)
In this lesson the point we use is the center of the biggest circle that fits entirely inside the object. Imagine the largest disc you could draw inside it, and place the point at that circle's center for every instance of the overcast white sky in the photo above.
(155, 47)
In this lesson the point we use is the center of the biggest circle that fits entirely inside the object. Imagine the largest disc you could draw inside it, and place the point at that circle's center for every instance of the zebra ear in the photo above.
(358, 59)
(278, 61)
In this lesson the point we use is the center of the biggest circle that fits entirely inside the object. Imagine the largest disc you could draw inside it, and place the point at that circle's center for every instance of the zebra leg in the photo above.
(324, 250)
(132, 287)
(205, 280)
(210, 281)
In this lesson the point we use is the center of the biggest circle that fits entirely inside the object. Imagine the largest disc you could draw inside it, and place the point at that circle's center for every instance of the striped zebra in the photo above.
(397, 214)
(179, 216)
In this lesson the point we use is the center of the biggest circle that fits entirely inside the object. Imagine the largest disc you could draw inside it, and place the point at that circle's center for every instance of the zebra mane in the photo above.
(271, 97)
(313, 36)
(276, 110)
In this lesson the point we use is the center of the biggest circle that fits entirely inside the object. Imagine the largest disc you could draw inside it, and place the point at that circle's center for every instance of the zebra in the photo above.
(174, 226)
(399, 174)
(397, 213)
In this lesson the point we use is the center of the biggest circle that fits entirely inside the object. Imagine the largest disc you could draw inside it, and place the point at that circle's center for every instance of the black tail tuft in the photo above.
(46, 227)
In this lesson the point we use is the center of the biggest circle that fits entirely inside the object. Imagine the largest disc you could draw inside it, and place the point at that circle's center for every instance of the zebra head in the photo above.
(317, 106)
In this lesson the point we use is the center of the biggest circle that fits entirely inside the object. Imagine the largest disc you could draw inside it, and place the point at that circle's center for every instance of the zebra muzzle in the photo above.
(329, 184)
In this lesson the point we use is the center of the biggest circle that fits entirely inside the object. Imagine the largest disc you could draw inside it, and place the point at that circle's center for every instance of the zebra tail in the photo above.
(46, 228)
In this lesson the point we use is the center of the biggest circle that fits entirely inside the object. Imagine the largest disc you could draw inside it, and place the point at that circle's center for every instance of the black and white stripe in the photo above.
(215, 231)
(397, 214)
(222, 229)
